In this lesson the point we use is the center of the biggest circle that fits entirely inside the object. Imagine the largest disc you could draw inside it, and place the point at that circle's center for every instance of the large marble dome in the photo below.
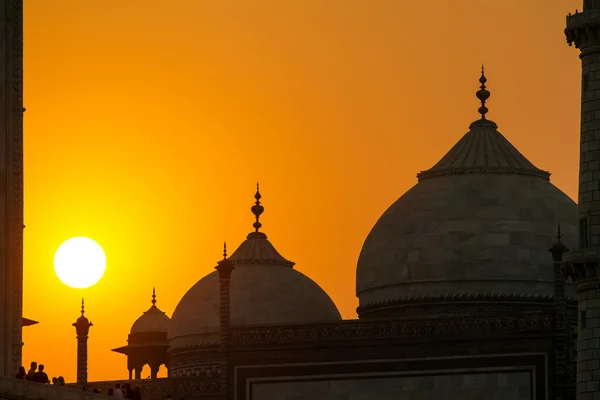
(480, 221)
(265, 289)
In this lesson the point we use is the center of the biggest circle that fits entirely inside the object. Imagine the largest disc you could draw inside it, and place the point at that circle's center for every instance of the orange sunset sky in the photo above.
(149, 122)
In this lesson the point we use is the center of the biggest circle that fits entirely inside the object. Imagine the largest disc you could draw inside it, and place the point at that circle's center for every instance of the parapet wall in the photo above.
(20, 389)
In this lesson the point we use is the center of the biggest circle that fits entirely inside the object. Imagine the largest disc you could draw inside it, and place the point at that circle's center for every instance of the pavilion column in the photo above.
(154, 368)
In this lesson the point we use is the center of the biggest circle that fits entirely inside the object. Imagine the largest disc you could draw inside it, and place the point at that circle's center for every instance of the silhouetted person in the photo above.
(127, 392)
(21, 374)
(31, 373)
(40, 376)
(118, 391)
(55, 381)
(110, 392)
(61, 381)
(136, 394)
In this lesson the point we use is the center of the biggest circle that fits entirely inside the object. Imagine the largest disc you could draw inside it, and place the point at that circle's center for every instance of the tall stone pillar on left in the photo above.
(82, 326)
(11, 185)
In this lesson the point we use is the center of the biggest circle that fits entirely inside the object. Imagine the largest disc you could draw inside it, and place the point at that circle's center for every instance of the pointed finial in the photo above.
(257, 209)
(153, 296)
(483, 94)
(224, 250)
(82, 307)
(558, 234)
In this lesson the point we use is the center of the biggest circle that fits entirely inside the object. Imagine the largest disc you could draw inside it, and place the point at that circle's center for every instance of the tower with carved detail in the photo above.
(82, 326)
(583, 263)
(11, 191)
(224, 269)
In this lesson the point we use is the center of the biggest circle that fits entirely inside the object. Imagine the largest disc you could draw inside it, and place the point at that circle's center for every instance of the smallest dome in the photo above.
(153, 320)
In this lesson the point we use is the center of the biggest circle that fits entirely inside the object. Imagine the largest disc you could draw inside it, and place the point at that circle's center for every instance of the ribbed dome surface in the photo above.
(483, 148)
(480, 221)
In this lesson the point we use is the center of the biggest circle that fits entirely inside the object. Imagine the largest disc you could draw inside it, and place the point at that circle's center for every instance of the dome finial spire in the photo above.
(82, 307)
(483, 94)
(224, 250)
(153, 296)
(558, 236)
(257, 209)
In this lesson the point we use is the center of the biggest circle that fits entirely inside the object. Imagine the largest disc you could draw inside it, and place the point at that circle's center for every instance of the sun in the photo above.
(80, 262)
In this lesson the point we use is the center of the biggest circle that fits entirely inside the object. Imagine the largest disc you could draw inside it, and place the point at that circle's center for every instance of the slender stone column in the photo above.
(82, 326)
(224, 268)
(562, 391)
(11, 185)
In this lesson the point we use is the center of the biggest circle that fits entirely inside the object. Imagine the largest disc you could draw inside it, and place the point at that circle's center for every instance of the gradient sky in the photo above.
(149, 122)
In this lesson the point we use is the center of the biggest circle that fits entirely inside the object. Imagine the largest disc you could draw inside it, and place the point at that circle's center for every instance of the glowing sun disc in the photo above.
(79, 262)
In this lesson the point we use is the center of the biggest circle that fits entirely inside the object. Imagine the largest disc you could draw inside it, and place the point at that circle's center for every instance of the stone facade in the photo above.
(583, 264)
(458, 346)
(11, 189)
(588, 343)
(504, 385)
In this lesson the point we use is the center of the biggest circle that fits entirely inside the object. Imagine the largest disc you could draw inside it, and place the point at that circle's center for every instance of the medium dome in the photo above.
(153, 320)
(265, 289)
(480, 221)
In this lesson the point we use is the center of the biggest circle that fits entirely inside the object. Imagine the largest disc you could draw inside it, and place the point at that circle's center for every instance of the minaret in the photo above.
(11, 190)
(582, 264)
(224, 269)
(82, 326)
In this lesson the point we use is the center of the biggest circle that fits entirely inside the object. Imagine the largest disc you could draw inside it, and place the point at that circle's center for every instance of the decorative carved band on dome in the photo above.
(199, 345)
(359, 330)
(460, 171)
(265, 262)
(458, 298)
(181, 387)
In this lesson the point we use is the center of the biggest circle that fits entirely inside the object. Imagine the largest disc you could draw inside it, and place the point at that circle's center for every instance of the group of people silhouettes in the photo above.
(36, 374)
(125, 392)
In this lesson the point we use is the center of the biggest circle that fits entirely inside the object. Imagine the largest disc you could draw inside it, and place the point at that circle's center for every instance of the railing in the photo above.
(18, 388)
(582, 17)
(158, 389)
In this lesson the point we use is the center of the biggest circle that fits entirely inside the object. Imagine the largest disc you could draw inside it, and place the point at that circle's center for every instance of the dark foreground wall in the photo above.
(495, 378)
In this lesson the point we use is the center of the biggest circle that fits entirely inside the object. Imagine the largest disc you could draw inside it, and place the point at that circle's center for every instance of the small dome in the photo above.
(480, 221)
(153, 320)
(265, 289)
